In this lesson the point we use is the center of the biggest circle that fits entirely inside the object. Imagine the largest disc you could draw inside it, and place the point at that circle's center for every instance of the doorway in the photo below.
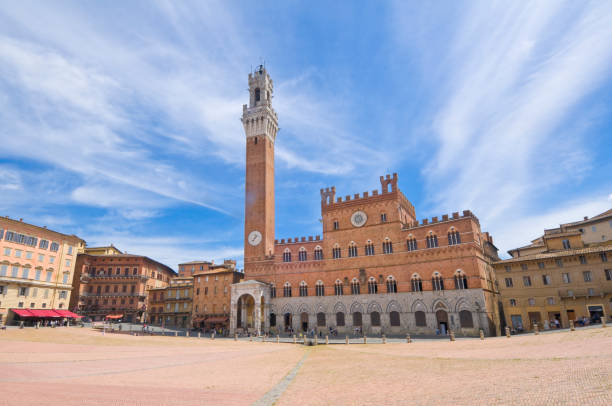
(442, 319)
(596, 313)
(304, 321)
(288, 320)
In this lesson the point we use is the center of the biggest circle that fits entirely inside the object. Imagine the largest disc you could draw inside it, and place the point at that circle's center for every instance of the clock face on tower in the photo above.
(254, 238)
(359, 218)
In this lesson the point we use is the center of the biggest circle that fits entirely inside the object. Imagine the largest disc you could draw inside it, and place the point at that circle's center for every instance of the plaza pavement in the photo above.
(76, 366)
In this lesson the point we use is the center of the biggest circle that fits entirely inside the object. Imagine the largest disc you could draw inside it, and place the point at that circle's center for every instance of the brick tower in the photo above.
(260, 126)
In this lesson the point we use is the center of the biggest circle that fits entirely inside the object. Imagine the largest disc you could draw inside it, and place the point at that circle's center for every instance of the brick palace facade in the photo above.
(376, 267)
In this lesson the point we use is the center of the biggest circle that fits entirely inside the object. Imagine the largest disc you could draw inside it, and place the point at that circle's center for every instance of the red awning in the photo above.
(216, 320)
(23, 312)
(114, 316)
(40, 313)
(67, 313)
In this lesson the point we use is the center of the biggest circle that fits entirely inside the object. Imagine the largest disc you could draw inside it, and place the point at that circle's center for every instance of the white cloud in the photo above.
(503, 89)
(169, 250)
(518, 232)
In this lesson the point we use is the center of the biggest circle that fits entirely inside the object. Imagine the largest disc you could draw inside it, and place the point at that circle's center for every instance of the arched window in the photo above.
(355, 287)
(387, 246)
(460, 280)
(303, 289)
(272, 291)
(352, 250)
(338, 288)
(394, 318)
(419, 318)
(287, 255)
(372, 286)
(465, 318)
(302, 254)
(340, 319)
(417, 283)
(336, 252)
(320, 288)
(375, 319)
(321, 320)
(257, 95)
(411, 243)
(357, 319)
(383, 217)
(391, 284)
(287, 289)
(431, 240)
(437, 282)
(369, 248)
(318, 253)
(453, 237)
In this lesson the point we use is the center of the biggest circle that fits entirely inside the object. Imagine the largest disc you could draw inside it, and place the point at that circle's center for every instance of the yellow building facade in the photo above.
(36, 268)
(171, 306)
(566, 274)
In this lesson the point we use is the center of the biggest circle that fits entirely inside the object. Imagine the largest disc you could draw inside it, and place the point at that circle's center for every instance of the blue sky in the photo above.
(120, 122)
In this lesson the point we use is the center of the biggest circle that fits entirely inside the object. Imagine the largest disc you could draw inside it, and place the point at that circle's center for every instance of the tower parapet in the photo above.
(259, 118)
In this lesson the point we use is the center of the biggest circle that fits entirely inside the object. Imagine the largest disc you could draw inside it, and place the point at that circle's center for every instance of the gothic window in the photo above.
(437, 282)
(460, 281)
(372, 286)
(336, 252)
(419, 318)
(431, 240)
(383, 217)
(375, 319)
(336, 225)
(417, 283)
(394, 318)
(287, 255)
(352, 250)
(318, 253)
(287, 290)
(355, 287)
(340, 319)
(411, 244)
(465, 319)
(303, 289)
(338, 288)
(272, 291)
(320, 288)
(387, 246)
(320, 319)
(302, 255)
(257, 95)
(391, 285)
(454, 237)
(369, 248)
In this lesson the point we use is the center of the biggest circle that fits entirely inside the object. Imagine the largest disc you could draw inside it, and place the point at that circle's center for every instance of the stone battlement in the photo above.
(298, 240)
(388, 186)
(445, 217)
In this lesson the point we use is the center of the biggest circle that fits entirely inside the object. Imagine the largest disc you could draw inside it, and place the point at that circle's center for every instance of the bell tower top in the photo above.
(259, 118)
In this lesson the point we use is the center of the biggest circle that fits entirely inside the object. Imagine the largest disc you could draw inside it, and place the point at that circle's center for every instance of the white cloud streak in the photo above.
(505, 87)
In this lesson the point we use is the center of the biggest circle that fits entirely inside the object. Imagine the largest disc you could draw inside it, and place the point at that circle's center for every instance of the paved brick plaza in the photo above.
(79, 366)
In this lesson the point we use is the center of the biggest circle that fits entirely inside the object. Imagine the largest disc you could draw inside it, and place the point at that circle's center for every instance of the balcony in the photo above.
(565, 294)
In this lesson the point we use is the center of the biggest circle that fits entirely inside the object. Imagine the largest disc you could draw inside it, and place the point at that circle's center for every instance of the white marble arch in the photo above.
(356, 307)
(394, 306)
(339, 308)
(374, 307)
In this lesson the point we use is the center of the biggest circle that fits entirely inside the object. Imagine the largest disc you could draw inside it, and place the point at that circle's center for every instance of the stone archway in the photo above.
(304, 321)
(245, 314)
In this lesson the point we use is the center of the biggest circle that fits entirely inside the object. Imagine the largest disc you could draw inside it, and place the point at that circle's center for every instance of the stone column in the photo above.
(257, 315)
